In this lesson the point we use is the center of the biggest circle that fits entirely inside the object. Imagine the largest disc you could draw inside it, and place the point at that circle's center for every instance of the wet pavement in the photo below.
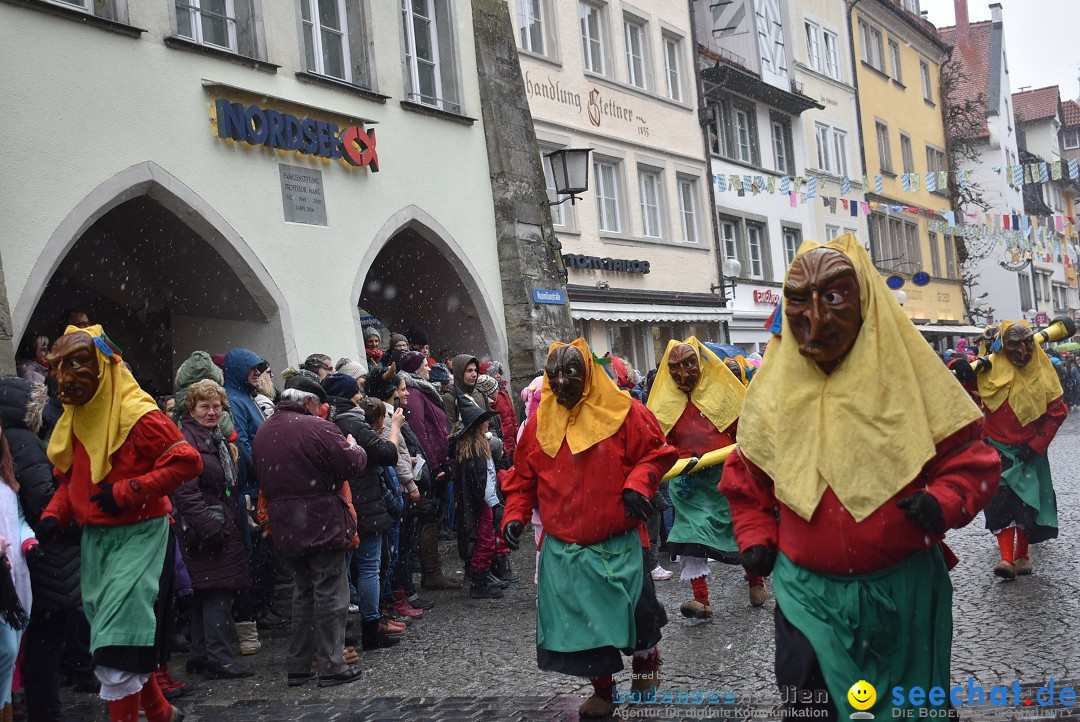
(475, 659)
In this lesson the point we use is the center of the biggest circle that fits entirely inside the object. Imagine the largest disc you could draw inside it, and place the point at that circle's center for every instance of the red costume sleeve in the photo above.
(60, 504)
(175, 462)
(963, 476)
(518, 484)
(646, 443)
(753, 503)
(1047, 425)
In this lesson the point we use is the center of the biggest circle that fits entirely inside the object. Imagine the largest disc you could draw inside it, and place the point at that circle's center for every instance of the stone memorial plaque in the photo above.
(302, 195)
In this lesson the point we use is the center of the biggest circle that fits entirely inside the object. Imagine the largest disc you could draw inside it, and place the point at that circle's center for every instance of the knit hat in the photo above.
(439, 374)
(417, 336)
(411, 361)
(484, 367)
(371, 331)
(341, 385)
(377, 388)
(219, 360)
(301, 382)
(397, 338)
(486, 384)
(351, 368)
(291, 373)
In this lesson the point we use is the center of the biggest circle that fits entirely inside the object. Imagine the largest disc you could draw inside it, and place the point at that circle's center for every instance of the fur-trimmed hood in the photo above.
(25, 405)
(416, 383)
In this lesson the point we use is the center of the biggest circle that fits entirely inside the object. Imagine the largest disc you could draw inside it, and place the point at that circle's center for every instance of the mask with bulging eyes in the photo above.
(1019, 345)
(684, 367)
(73, 361)
(822, 305)
(565, 369)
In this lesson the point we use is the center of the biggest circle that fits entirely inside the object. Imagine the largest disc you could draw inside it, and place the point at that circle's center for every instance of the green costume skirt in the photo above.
(121, 579)
(1025, 497)
(890, 628)
(702, 525)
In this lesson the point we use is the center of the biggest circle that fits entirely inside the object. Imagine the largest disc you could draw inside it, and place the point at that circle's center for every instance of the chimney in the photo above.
(961, 21)
(995, 13)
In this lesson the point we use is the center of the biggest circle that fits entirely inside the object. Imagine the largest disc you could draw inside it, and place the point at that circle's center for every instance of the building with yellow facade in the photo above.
(897, 56)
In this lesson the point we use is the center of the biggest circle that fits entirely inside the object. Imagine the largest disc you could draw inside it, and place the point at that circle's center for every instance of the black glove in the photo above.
(34, 554)
(214, 542)
(1025, 453)
(759, 559)
(923, 509)
(105, 500)
(637, 506)
(47, 529)
(962, 370)
(512, 534)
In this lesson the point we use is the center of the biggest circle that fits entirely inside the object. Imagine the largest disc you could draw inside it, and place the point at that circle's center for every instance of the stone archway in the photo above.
(415, 273)
(151, 261)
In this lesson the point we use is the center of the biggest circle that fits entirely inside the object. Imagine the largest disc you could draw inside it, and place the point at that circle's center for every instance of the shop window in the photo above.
(536, 27)
(593, 40)
(334, 41)
(430, 55)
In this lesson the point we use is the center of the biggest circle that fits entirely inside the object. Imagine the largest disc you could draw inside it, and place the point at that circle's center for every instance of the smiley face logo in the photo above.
(862, 695)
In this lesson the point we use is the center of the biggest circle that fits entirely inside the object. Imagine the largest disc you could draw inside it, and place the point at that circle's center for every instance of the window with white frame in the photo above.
(832, 149)
(1070, 139)
(592, 36)
(783, 157)
(1026, 300)
(927, 90)
(733, 130)
(936, 162)
(636, 38)
(208, 22)
(649, 192)
(813, 46)
(326, 38)
(831, 232)
(894, 243)
(688, 209)
(536, 27)
(608, 213)
(792, 239)
(883, 148)
(729, 238)
(832, 55)
(870, 46)
(558, 212)
(906, 156)
(756, 250)
(83, 5)
(894, 60)
(673, 67)
(430, 59)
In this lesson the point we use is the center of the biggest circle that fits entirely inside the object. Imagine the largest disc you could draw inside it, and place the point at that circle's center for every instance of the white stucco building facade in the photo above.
(127, 197)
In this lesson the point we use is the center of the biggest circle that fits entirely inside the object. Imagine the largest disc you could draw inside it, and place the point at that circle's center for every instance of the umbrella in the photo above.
(724, 350)
(1070, 346)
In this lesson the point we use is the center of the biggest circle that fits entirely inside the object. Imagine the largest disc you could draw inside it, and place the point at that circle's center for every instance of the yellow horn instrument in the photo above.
(1060, 328)
(696, 463)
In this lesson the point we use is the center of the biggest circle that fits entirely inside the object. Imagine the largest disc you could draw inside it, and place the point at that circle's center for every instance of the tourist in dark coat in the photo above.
(208, 525)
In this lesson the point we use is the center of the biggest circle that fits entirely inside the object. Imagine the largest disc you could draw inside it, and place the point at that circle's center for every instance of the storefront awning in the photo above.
(596, 311)
(950, 330)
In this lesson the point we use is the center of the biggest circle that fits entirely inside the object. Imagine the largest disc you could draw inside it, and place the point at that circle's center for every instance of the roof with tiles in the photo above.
(974, 59)
(1071, 110)
(1037, 104)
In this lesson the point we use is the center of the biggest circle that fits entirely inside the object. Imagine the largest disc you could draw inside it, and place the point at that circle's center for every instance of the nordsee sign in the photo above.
(551, 296)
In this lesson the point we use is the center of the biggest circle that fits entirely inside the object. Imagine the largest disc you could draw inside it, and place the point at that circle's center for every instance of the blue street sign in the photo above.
(551, 296)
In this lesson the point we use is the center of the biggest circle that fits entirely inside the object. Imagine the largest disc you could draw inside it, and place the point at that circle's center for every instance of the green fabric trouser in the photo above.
(1031, 482)
(585, 595)
(121, 577)
(702, 513)
(890, 628)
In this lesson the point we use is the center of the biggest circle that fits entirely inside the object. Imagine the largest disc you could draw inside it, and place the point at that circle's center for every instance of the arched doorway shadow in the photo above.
(162, 271)
(416, 274)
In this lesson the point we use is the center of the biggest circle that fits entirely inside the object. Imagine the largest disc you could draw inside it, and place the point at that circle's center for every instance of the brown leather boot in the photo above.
(431, 574)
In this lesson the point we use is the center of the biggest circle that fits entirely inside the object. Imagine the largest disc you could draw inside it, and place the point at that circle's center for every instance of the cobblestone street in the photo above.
(475, 659)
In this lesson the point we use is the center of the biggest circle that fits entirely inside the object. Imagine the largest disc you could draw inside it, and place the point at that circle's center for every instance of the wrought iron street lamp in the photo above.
(570, 172)
(732, 269)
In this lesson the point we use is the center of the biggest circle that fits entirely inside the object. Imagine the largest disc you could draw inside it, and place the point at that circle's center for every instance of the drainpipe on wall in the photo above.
(702, 121)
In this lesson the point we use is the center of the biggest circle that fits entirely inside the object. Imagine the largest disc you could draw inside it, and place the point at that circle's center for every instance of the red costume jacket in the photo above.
(153, 462)
(1003, 426)
(963, 477)
(579, 496)
(693, 434)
